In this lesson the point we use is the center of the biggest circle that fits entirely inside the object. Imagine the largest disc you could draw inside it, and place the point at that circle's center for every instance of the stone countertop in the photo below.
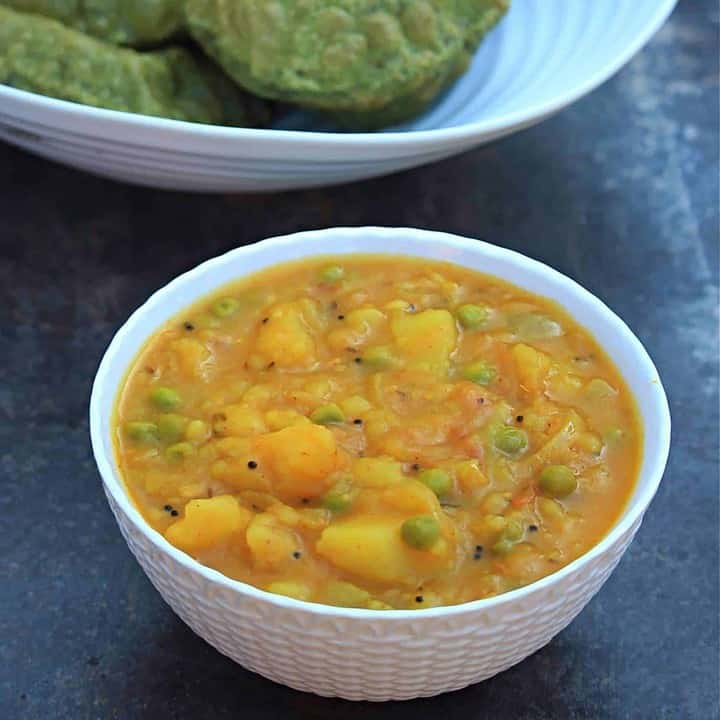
(619, 191)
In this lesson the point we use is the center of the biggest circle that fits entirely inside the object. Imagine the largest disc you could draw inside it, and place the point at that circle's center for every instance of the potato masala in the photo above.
(377, 431)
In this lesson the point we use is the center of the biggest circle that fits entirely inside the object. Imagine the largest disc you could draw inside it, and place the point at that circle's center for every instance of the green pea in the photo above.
(225, 307)
(327, 415)
(558, 481)
(337, 501)
(378, 358)
(332, 273)
(164, 398)
(437, 480)
(421, 532)
(503, 546)
(479, 372)
(170, 426)
(513, 531)
(510, 441)
(179, 451)
(196, 431)
(472, 316)
(145, 432)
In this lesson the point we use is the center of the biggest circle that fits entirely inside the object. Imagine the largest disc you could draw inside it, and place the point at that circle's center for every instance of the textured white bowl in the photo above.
(543, 56)
(365, 654)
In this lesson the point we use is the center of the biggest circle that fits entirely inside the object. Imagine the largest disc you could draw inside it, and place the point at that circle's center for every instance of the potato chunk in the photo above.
(376, 472)
(239, 421)
(532, 367)
(287, 339)
(193, 357)
(290, 588)
(236, 465)
(412, 497)
(209, 522)
(271, 543)
(372, 548)
(359, 326)
(299, 458)
(426, 339)
(557, 450)
(279, 419)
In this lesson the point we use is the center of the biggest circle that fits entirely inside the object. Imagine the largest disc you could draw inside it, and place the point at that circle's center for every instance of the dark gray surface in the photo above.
(620, 192)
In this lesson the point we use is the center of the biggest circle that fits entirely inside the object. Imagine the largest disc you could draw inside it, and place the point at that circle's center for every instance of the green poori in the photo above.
(368, 62)
(122, 22)
(43, 56)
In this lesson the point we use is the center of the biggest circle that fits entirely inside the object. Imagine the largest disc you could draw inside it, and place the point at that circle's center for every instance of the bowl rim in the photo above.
(453, 134)
(633, 513)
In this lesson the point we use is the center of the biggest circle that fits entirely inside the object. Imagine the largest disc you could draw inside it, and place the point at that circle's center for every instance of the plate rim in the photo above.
(167, 130)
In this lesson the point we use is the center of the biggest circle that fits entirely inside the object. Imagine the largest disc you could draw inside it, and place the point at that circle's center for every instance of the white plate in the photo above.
(543, 56)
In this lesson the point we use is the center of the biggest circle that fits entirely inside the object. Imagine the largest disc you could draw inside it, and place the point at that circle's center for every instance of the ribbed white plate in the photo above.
(543, 56)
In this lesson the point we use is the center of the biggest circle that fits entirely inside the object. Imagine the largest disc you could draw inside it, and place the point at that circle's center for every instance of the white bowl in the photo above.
(543, 56)
(366, 654)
